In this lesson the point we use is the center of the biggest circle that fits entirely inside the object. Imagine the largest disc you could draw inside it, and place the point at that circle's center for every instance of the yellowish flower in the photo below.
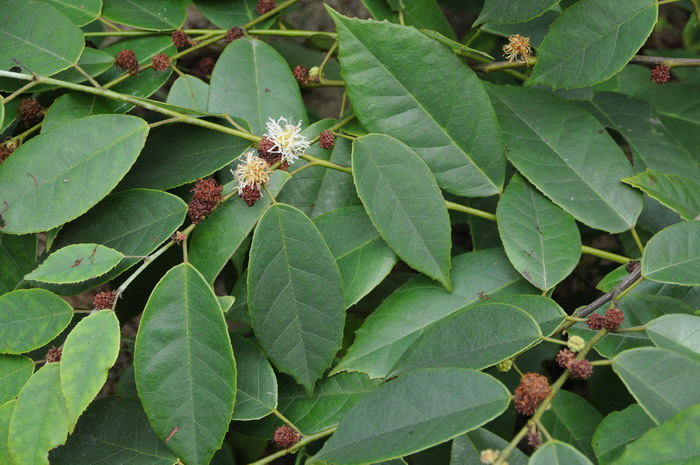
(289, 142)
(252, 172)
(518, 49)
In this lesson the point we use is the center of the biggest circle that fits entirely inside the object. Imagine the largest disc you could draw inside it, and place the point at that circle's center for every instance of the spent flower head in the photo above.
(287, 138)
(517, 49)
(252, 172)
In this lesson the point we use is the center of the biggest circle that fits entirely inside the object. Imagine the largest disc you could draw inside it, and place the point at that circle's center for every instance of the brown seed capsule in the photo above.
(181, 39)
(285, 437)
(264, 6)
(126, 61)
(595, 321)
(54, 355)
(206, 197)
(250, 195)
(613, 318)
(6, 150)
(30, 111)
(160, 62)
(533, 389)
(580, 369)
(564, 357)
(661, 74)
(203, 68)
(264, 150)
(301, 74)
(233, 34)
(104, 300)
(326, 140)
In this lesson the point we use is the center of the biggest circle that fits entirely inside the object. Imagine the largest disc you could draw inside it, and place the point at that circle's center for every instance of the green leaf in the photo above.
(545, 311)
(181, 153)
(542, 241)
(300, 331)
(675, 102)
(256, 394)
(17, 258)
(94, 62)
(662, 381)
(113, 431)
(466, 449)
(427, 14)
(51, 180)
(390, 178)
(454, 45)
(30, 318)
(673, 255)
(679, 333)
(145, 83)
(189, 92)
(652, 145)
(183, 332)
(252, 81)
(573, 420)
(673, 443)
(404, 315)
(513, 11)
(558, 453)
(216, 239)
(451, 126)
(639, 309)
(76, 263)
(476, 337)
(89, 352)
(617, 430)
(6, 411)
(29, 32)
(156, 15)
(566, 154)
(536, 29)
(81, 12)
(591, 41)
(134, 222)
(15, 371)
(40, 420)
(227, 13)
(412, 413)
(679, 193)
(318, 190)
(72, 106)
(362, 256)
(312, 413)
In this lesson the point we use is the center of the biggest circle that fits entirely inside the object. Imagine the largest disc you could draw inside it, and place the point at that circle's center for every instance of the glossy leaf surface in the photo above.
(679, 193)
(390, 178)
(80, 12)
(513, 11)
(300, 331)
(45, 179)
(571, 54)
(31, 318)
(541, 240)
(414, 412)
(184, 367)
(392, 90)
(256, 386)
(564, 152)
(75, 263)
(673, 255)
(89, 352)
(679, 333)
(146, 14)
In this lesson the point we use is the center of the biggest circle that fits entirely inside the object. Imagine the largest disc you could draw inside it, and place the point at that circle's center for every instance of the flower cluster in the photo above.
(181, 39)
(160, 62)
(207, 196)
(54, 355)
(301, 74)
(326, 140)
(30, 111)
(233, 34)
(610, 321)
(661, 74)
(127, 61)
(103, 300)
(580, 369)
(251, 174)
(533, 389)
(285, 437)
(264, 6)
(576, 343)
(287, 139)
(517, 49)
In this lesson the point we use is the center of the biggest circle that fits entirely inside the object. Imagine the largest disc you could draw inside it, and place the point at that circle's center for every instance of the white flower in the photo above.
(287, 139)
(253, 172)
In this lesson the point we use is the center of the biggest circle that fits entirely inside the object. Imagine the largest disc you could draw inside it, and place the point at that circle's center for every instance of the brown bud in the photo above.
(326, 140)
(160, 62)
(126, 61)
(264, 6)
(233, 34)
(285, 437)
(103, 300)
